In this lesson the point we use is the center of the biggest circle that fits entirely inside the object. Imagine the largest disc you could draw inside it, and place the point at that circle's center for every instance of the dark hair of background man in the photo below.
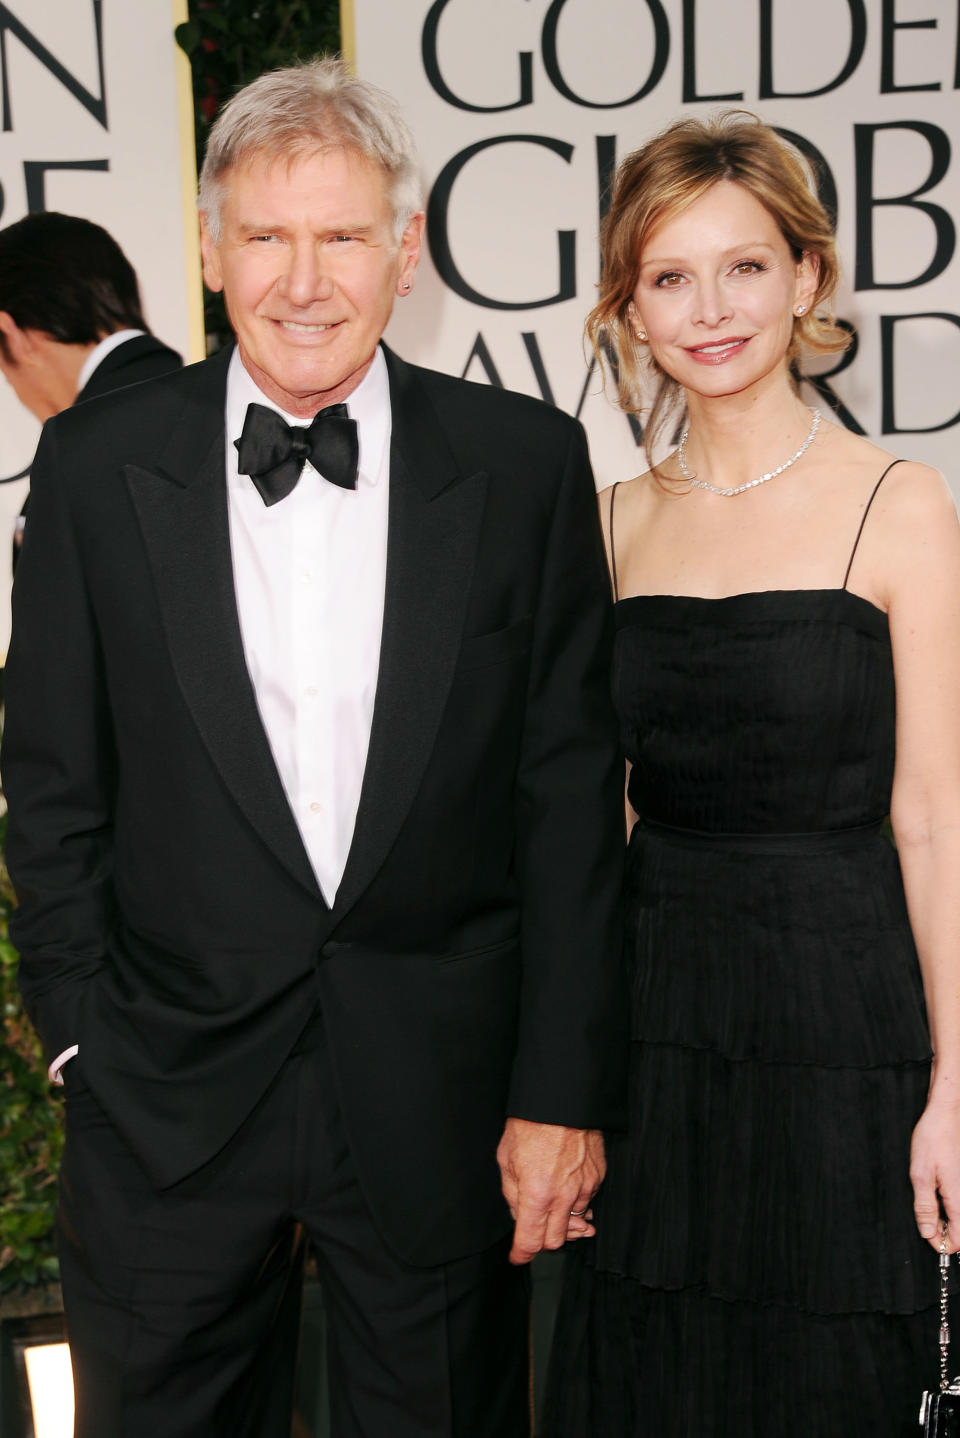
(67, 278)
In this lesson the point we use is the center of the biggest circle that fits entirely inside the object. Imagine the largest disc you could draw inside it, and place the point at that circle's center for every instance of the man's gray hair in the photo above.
(289, 114)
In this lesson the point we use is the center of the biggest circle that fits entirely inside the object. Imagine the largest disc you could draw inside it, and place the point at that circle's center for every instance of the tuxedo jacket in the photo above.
(169, 921)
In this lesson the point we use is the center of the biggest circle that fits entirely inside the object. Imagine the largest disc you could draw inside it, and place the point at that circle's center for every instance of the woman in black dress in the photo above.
(787, 673)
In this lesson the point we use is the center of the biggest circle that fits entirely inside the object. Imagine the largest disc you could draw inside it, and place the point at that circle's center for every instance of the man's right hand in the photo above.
(549, 1175)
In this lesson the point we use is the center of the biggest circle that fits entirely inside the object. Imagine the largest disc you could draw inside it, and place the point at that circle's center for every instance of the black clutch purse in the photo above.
(940, 1411)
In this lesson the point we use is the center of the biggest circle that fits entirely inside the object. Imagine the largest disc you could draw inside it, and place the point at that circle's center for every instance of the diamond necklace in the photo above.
(751, 483)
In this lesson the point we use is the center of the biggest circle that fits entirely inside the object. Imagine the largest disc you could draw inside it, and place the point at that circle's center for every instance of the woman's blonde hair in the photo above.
(660, 180)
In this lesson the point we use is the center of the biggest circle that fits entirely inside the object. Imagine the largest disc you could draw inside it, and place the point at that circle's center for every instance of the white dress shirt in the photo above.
(309, 574)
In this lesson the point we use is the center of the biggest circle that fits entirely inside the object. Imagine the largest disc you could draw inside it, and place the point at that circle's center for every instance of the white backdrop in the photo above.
(97, 121)
(520, 107)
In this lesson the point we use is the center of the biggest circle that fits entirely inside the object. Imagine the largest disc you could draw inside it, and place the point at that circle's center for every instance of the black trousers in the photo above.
(182, 1306)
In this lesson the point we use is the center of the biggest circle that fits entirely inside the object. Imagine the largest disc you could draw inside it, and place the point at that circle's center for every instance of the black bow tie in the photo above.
(273, 452)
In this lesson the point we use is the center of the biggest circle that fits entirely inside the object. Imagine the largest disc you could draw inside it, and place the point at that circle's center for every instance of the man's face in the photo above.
(309, 268)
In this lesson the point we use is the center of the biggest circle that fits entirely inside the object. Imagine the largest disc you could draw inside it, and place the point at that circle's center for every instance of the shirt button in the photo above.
(306, 576)
(315, 807)
(310, 692)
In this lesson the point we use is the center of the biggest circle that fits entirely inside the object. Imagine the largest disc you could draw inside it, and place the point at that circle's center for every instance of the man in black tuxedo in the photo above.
(315, 823)
(71, 321)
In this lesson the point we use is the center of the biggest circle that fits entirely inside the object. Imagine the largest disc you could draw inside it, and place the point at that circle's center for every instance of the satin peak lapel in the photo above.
(182, 510)
(434, 526)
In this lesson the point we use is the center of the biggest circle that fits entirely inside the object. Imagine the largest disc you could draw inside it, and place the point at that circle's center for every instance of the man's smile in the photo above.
(298, 328)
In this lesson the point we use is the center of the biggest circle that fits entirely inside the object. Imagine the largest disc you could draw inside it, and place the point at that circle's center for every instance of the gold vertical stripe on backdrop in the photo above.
(197, 340)
(348, 33)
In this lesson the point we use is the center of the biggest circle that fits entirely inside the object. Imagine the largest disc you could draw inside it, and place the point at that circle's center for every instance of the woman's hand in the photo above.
(935, 1171)
(580, 1225)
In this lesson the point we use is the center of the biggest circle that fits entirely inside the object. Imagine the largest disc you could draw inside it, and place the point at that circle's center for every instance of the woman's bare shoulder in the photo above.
(624, 511)
(907, 490)
(918, 490)
(913, 536)
(629, 493)
(900, 487)
(865, 464)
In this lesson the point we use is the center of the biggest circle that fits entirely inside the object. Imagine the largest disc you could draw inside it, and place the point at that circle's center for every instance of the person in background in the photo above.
(787, 673)
(313, 788)
(71, 321)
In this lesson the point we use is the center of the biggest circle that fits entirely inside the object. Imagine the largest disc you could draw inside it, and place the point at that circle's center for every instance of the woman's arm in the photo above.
(919, 541)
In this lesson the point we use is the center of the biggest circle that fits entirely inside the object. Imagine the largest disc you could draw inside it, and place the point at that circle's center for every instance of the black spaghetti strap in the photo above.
(863, 517)
(613, 550)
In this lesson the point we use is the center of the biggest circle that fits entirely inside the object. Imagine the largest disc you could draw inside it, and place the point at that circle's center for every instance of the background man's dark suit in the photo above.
(65, 288)
(142, 357)
(170, 922)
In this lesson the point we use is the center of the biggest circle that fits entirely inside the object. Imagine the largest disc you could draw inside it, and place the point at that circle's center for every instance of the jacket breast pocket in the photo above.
(483, 650)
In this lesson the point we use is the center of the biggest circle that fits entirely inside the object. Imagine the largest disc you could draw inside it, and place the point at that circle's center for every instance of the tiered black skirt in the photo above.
(757, 1271)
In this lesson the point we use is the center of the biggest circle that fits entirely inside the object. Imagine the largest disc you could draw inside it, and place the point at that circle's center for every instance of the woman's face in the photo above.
(717, 291)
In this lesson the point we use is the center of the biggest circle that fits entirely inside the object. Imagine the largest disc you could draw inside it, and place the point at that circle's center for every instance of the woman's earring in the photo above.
(800, 311)
(642, 336)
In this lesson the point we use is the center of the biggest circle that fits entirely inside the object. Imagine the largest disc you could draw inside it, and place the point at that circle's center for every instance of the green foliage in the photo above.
(231, 42)
(31, 1133)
